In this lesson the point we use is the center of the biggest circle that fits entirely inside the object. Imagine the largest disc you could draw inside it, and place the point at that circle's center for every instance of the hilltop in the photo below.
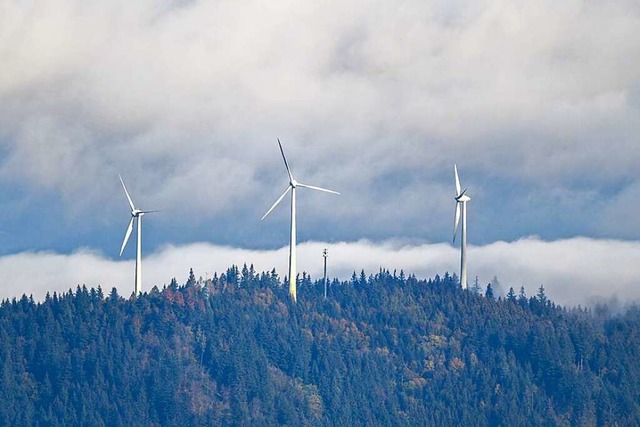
(381, 350)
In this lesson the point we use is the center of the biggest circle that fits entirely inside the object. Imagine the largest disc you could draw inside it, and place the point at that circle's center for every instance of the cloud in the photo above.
(185, 99)
(573, 271)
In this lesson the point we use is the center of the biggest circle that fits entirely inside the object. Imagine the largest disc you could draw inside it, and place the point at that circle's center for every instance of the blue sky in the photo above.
(538, 104)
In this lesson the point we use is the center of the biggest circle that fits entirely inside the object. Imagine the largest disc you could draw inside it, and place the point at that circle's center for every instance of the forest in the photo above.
(382, 349)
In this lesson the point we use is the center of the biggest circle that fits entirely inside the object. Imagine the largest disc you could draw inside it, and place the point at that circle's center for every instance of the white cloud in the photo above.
(191, 95)
(573, 271)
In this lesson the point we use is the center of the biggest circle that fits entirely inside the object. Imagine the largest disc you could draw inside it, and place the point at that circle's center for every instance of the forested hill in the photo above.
(381, 350)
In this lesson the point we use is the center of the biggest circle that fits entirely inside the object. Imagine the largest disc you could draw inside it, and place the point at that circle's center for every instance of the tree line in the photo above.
(383, 349)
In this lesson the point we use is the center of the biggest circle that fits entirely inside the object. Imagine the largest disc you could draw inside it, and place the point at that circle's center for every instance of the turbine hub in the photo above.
(294, 183)
(462, 197)
(136, 213)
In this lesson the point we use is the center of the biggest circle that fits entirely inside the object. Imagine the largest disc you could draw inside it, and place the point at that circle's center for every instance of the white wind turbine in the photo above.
(461, 204)
(292, 243)
(135, 214)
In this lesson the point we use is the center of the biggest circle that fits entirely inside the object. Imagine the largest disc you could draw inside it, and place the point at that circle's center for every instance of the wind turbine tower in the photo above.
(325, 255)
(461, 209)
(293, 184)
(136, 214)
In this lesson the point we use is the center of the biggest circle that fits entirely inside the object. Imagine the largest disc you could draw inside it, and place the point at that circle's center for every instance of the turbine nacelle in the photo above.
(136, 213)
(463, 197)
(293, 183)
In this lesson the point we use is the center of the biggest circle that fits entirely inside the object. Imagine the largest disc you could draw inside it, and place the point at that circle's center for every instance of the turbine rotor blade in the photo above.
(285, 161)
(156, 210)
(276, 203)
(127, 235)
(455, 173)
(456, 221)
(313, 187)
(127, 193)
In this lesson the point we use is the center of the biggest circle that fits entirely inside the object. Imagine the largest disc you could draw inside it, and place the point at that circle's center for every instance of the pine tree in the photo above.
(489, 293)
(541, 296)
(192, 278)
(476, 289)
(522, 298)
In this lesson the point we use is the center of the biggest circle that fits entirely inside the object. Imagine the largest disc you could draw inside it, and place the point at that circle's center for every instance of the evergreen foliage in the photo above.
(381, 350)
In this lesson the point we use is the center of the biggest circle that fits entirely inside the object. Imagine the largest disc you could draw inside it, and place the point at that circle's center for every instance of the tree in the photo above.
(354, 279)
(476, 289)
(497, 287)
(522, 298)
(192, 278)
(541, 296)
(489, 293)
(363, 278)
(244, 276)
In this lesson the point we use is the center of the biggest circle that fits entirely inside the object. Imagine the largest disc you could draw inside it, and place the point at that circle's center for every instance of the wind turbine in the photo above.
(293, 184)
(135, 214)
(461, 205)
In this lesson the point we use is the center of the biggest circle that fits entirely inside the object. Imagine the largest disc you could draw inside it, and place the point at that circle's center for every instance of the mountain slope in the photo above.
(383, 349)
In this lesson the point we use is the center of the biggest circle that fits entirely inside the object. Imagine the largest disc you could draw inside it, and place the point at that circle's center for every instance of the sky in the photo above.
(538, 103)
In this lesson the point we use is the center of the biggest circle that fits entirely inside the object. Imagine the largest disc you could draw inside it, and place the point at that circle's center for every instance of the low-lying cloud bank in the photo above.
(573, 271)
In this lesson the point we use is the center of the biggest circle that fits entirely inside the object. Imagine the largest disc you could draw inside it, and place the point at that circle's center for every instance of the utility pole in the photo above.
(324, 255)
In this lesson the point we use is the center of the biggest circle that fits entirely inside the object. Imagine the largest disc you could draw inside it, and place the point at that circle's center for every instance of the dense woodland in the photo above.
(381, 350)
